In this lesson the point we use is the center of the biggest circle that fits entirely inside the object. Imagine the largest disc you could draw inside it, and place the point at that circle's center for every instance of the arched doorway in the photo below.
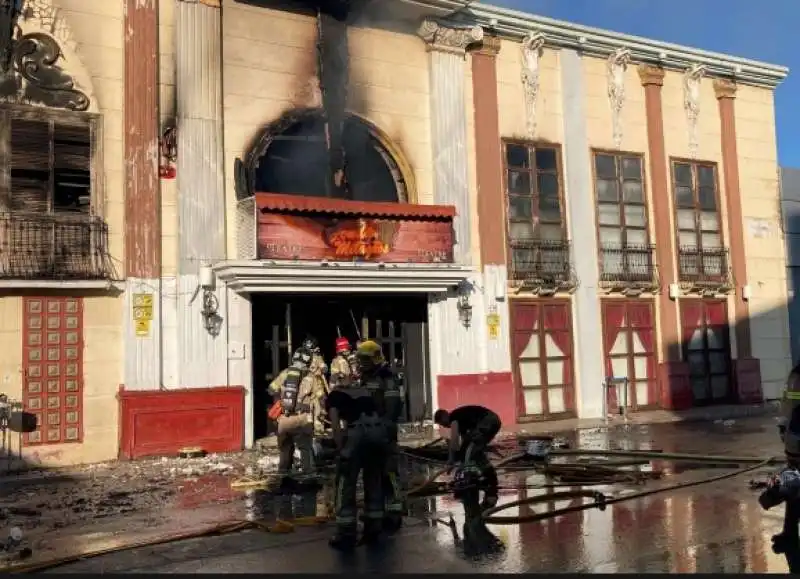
(290, 157)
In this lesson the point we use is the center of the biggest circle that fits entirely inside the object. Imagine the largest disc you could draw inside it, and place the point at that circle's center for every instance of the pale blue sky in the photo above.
(760, 30)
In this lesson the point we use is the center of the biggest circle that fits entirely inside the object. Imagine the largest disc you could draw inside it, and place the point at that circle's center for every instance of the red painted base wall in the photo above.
(747, 372)
(495, 391)
(161, 422)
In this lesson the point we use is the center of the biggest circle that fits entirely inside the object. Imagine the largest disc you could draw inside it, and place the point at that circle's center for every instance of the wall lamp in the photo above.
(212, 322)
(464, 310)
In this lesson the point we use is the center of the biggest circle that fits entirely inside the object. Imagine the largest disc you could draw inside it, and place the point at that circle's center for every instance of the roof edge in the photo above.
(599, 42)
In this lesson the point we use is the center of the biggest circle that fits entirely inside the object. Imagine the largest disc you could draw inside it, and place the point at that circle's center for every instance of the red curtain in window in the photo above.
(526, 319)
(556, 321)
(691, 319)
(614, 314)
(640, 317)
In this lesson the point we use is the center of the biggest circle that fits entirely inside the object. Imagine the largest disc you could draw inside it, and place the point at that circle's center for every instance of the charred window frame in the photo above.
(49, 163)
(533, 193)
(698, 222)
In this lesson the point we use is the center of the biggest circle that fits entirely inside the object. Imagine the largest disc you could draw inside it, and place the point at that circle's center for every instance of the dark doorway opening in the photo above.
(398, 322)
(296, 162)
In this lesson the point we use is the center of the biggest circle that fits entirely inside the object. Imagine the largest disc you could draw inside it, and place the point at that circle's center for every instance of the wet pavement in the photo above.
(717, 527)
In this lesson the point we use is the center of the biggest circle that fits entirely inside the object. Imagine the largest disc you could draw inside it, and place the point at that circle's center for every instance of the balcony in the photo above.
(54, 248)
(629, 270)
(542, 266)
(704, 270)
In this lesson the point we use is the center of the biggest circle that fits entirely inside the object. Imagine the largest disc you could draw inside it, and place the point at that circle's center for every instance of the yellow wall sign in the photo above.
(142, 313)
(493, 323)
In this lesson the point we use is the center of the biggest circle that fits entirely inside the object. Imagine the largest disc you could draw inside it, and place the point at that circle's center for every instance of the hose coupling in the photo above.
(600, 501)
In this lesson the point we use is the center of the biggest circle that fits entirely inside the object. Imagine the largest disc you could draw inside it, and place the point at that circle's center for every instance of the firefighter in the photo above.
(318, 368)
(342, 364)
(362, 442)
(376, 375)
(472, 428)
(299, 394)
(785, 485)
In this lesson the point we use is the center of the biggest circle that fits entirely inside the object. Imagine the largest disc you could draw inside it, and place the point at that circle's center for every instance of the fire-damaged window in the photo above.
(50, 226)
(50, 168)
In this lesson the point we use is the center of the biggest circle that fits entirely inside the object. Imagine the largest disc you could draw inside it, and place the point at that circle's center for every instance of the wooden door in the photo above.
(706, 348)
(542, 357)
(629, 348)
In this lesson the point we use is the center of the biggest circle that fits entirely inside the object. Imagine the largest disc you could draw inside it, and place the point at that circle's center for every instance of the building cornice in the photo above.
(513, 24)
(260, 276)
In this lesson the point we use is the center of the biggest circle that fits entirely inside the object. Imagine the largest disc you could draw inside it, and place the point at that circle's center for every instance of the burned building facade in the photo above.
(515, 208)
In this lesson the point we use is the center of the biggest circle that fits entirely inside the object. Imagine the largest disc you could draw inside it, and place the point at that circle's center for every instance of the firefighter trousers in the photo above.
(364, 449)
(473, 452)
(391, 475)
(295, 432)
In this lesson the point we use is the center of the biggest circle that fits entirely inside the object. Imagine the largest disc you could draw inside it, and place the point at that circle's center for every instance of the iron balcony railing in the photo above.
(703, 265)
(629, 264)
(541, 261)
(49, 247)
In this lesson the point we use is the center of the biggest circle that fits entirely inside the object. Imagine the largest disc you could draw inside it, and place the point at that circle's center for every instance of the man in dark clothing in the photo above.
(362, 440)
(472, 428)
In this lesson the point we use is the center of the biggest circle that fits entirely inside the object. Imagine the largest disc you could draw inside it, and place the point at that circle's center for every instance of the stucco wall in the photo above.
(511, 97)
(763, 234)
(96, 32)
(166, 91)
(389, 86)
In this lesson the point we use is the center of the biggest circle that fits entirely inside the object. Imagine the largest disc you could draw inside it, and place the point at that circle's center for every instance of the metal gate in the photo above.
(11, 413)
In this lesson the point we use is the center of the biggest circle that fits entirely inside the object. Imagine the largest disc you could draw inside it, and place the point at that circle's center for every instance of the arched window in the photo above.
(291, 158)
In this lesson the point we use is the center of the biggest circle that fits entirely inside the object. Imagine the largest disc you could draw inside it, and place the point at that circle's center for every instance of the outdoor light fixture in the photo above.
(212, 322)
(464, 310)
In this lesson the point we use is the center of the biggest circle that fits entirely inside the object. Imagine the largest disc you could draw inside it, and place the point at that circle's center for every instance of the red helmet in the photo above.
(342, 345)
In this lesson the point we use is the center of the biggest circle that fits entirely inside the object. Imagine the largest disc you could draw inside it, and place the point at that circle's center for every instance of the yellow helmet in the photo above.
(370, 350)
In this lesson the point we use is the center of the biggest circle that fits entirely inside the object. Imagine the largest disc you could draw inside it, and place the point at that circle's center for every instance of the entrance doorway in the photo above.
(706, 348)
(398, 322)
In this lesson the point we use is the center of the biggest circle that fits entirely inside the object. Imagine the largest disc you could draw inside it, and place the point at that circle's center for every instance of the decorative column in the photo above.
(747, 368)
(142, 263)
(495, 322)
(447, 45)
(202, 352)
(580, 207)
(673, 376)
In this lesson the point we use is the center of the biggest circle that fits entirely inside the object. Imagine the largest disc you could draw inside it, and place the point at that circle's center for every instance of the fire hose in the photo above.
(489, 516)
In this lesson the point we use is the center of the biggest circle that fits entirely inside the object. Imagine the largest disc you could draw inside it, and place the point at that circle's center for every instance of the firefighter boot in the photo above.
(345, 539)
(392, 522)
(373, 529)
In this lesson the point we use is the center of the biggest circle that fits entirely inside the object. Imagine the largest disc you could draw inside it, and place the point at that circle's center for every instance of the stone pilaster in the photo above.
(447, 45)
(202, 355)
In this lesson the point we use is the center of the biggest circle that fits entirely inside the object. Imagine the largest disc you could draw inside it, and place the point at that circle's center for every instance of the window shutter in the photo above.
(30, 165)
(71, 167)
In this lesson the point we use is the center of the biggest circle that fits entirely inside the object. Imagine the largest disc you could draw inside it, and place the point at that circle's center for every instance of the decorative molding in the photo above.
(32, 35)
(209, 3)
(532, 48)
(724, 88)
(616, 67)
(516, 25)
(651, 75)
(317, 277)
(692, 79)
(490, 46)
(448, 37)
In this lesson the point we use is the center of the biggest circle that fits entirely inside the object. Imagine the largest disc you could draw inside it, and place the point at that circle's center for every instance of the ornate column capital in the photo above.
(724, 88)
(651, 75)
(490, 46)
(449, 37)
(210, 3)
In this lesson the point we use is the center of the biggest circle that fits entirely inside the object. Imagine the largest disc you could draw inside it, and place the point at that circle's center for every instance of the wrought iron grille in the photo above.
(703, 265)
(538, 260)
(633, 264)
(49, 247)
